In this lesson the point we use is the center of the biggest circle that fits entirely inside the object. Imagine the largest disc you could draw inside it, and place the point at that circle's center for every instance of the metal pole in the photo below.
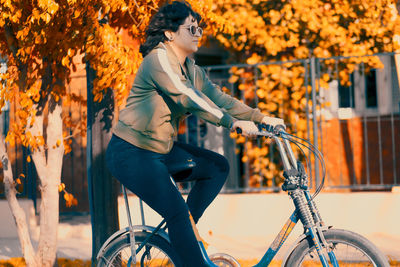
(339, 123)
(314, 117)
(306, 75)
(365, 119)
(255, 72)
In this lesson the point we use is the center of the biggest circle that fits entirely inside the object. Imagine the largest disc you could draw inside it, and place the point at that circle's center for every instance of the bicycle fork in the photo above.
(297, 187)
(311, 220)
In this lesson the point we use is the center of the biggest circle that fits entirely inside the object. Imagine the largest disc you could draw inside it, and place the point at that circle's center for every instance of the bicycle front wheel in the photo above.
(156, 252)
(350, 249)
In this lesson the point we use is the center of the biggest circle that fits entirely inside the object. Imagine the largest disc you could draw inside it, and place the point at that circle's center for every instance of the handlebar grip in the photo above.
(266, 127)
(269, 128)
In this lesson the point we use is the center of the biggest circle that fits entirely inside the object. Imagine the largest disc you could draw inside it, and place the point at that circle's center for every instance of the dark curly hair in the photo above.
(168, 18)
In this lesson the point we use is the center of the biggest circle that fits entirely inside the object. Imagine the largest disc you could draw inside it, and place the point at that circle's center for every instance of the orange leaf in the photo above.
(65, 61)
(67, 197)
(61, 187)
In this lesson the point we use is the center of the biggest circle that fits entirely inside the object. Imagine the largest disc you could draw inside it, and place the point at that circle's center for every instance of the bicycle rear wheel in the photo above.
(350, 249)
(156, 252)
(224, 260)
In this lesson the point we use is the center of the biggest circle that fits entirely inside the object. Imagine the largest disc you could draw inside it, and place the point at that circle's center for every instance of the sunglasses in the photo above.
(194, 30)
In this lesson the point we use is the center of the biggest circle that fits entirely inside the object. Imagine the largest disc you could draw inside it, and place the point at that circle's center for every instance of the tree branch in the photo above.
(16, 210)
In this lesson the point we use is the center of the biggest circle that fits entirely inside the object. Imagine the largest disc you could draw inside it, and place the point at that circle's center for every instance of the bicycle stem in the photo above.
(282, 151)
(305, 207)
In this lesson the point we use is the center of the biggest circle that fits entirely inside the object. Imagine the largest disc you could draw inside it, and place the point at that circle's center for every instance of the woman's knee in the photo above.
(223, 165)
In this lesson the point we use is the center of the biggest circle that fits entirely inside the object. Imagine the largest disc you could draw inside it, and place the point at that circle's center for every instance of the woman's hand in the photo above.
(248, 127)
(273, 121)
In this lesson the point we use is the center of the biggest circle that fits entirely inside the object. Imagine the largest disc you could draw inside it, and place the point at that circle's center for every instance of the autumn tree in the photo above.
(300, 30)
(40, 40)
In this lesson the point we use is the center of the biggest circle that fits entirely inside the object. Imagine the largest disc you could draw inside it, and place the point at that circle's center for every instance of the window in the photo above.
(346, 94)
(371, 98)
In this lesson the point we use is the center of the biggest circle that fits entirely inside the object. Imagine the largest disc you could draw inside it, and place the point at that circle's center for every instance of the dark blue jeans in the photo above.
(145, 173)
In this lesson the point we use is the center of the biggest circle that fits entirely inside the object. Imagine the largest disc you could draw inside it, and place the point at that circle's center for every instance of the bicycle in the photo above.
(143, 245)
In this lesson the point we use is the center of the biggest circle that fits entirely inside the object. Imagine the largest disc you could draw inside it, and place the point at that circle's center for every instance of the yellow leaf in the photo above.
(65, 61)
(28, 158)
(61, 187)
(233, 79)
(254, 59)
(77, 13)
(67, 197)
(53, 8)
(297, 95)
(261, 93)
(325, 77)
(47, 18)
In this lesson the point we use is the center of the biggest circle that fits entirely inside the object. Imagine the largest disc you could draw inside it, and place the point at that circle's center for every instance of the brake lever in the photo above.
(279, 129)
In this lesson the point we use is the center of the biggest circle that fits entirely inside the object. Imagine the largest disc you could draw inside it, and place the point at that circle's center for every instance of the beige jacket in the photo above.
(162, 95)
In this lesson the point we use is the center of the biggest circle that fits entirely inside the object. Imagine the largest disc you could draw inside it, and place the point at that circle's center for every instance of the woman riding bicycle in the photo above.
(167, 87)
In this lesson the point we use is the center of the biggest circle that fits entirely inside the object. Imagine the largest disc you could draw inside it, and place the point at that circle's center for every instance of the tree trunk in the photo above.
(48, 223)
(48, 166)
(105, 188)
(16, 210)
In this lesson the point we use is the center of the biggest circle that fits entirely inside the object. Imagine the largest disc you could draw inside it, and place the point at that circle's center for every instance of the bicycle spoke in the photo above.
(149, 257)
(346, 254)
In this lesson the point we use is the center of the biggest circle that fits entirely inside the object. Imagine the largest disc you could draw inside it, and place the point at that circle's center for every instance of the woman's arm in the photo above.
(233, 106)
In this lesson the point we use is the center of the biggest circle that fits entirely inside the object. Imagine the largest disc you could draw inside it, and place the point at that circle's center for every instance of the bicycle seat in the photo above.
(181, 170)
(177, 167)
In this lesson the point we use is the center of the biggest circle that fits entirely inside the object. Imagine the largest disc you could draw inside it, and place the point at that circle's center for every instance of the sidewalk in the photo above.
(74, 240)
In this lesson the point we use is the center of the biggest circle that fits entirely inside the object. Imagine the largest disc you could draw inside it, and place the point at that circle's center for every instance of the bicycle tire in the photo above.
(224, 260)
(305, 253)
(118, 252)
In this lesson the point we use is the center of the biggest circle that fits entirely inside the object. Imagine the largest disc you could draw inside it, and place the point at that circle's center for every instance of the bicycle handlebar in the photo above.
(266, 130)
(282, 139)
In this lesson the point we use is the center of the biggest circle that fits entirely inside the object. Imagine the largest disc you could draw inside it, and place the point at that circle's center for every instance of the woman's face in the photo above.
(186, 42)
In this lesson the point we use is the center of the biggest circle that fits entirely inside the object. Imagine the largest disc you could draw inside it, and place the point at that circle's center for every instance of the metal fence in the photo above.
(358, 133)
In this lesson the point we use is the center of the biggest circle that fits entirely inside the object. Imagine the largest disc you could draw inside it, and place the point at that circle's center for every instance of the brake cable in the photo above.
(316, 153)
